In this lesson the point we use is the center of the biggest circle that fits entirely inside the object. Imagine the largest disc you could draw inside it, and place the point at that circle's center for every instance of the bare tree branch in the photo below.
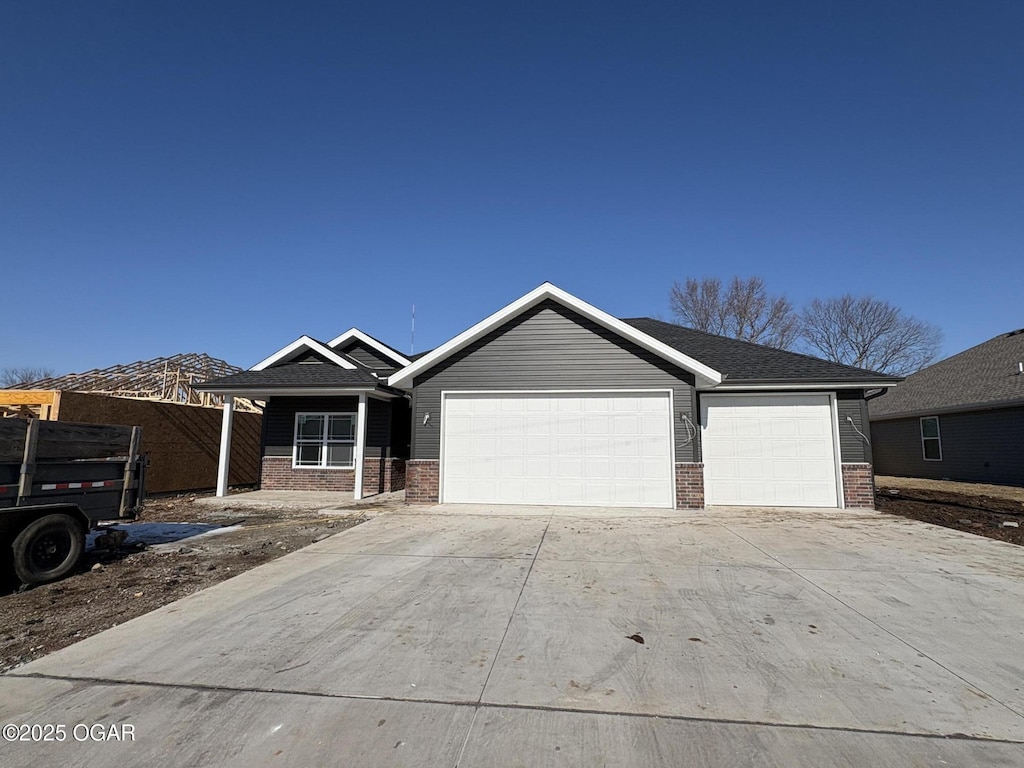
(12, 378)
(744, 311)
(869, 333)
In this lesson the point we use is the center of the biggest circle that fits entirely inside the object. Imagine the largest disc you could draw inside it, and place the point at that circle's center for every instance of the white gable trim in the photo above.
(301, 343)
(706, 376)
(355, 333)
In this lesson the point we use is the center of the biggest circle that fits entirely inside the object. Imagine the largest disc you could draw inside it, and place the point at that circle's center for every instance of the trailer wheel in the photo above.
(48, 549)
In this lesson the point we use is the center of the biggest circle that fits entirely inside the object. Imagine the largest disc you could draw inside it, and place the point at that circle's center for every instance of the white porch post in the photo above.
(360, 444)
(225, 446)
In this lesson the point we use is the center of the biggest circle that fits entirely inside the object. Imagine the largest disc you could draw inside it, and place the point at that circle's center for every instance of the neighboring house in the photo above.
(960, 419)
(552, 401)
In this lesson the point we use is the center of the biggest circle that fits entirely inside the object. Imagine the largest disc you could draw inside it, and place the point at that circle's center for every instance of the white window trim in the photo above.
(937, 438)
(324, 441)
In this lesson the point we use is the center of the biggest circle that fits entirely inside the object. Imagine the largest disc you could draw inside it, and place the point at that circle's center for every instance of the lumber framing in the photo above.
(163, 379)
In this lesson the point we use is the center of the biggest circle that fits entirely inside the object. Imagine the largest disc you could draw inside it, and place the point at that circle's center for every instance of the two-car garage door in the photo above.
(575, 448)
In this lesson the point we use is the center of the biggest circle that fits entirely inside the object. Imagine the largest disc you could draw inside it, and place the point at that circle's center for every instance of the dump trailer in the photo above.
(58, 480)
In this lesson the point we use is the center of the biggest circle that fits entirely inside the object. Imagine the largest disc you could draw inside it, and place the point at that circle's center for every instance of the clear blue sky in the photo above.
(226, 176)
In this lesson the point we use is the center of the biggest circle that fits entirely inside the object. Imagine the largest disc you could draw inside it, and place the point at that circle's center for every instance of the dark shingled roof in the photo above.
(982, 376)
(294, 375)
(744, 361)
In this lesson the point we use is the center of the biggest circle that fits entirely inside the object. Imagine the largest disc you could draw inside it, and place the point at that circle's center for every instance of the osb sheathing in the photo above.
(182, 441)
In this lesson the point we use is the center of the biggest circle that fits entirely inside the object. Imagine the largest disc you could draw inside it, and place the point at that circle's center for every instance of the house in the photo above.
(550, 400)
(960, 419)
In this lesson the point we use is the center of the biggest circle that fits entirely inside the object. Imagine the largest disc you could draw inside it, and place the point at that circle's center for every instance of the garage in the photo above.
(567, 448)
(769, 450)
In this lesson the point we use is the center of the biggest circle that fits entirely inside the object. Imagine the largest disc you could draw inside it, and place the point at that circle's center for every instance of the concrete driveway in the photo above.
(465, 636)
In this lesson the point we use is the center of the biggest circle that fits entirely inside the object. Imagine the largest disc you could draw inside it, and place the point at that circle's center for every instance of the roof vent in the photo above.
(1020, 368)
(1018, 332)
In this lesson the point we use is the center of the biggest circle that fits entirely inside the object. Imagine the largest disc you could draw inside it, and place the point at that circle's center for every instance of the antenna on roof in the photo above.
(412, 336)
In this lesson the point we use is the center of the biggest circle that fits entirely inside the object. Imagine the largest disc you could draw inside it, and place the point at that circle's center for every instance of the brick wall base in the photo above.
(422, 481)
(379, 476)
(383, 476)
(690, 486)
(859, 486)
(279, 475)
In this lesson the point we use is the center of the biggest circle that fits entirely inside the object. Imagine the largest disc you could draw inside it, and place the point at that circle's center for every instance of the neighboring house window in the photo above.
(325, 440)
(931, 443)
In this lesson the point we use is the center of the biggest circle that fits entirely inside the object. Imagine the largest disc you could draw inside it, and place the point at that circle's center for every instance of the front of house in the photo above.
(553, 401)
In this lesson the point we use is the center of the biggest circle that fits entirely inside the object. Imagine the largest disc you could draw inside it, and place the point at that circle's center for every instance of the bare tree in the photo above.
(743, 311)
(12, 378)
(869, 333)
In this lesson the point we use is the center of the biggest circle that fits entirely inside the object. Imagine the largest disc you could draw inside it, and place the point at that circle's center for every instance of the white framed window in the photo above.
(931, 441)
(324, 440)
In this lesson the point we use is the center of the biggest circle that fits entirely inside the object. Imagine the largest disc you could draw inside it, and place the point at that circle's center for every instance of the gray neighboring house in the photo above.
(550, 400)
(960, 419)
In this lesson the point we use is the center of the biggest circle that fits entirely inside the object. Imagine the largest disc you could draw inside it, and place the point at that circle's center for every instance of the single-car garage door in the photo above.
(576, 448)
(769, 450)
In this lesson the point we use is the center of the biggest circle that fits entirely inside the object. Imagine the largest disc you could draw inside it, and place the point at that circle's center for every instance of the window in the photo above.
(325, 440)
(931, 443)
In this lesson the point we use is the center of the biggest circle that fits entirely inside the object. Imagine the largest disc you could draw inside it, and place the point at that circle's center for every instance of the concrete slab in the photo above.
(979, 640)
(439, 536)
(497, 638)
(203, 727)
(682, 541)
(509, 738)
(418, 628)
(746, 644)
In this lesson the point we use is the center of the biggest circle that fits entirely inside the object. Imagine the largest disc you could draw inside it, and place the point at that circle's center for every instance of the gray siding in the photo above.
(368, 356)
(279, 422)
(852, 447)
(979, 447)
(548, 347)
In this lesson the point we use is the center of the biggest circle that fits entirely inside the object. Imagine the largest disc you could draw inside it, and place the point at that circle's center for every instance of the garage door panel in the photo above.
(572, 449)
(775, 450)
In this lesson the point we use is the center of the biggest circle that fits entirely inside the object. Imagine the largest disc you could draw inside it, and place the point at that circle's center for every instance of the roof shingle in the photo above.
(983, 375)
(745, 361)
(294, 375)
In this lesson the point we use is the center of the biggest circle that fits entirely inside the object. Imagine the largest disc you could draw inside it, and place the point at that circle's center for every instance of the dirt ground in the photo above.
(112, 587)
(978, 509)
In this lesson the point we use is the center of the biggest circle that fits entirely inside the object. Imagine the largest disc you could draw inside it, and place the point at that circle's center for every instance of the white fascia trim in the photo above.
(304, 342)
(355, 333)
(404, 377)
(824, 385)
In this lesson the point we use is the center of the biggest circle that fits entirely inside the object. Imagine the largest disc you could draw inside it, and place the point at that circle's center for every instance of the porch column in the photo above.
(360, 444)
(225, 446)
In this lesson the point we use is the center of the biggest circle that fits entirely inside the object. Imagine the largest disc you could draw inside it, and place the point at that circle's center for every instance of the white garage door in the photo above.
(591, 449)
(772, 450)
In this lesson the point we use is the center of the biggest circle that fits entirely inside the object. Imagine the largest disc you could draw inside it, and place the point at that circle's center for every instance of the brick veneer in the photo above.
(859, 486)
(383, 475)
(422, 481)
(279, 475)
(690, 486)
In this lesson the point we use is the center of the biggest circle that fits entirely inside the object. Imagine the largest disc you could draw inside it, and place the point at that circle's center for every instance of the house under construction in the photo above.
(180, 426)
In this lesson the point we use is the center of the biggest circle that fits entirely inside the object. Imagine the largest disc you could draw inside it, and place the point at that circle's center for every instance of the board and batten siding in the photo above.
(852, 447)
(549, 347)
(977, 446)
(279, 422)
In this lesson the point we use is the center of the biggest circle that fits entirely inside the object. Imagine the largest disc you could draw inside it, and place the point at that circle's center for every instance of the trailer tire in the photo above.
(48, 549)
